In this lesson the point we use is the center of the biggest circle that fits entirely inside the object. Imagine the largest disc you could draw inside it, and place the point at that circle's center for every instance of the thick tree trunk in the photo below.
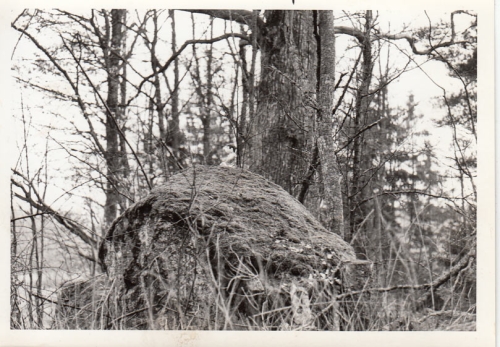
(280, 131)
(283, 142)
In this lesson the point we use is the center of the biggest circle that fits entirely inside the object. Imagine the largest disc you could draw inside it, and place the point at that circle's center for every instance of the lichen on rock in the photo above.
(223, 248)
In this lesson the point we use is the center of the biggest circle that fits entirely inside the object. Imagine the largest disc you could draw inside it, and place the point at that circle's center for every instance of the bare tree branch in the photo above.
(41, 206)
(109, 114)
(239, 16)
(170, 60)
(462, 264)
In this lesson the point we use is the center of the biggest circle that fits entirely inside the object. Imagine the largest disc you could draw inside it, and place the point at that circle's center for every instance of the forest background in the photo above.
(414, 160)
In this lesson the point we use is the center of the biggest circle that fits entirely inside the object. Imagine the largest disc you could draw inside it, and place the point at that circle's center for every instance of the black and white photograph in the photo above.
(291, 170)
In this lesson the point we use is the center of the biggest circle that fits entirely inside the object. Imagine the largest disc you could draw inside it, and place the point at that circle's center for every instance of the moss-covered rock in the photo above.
(223, 248)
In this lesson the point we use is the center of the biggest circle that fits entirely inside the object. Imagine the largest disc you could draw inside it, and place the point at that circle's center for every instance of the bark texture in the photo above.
(281, 128)
(330, 171)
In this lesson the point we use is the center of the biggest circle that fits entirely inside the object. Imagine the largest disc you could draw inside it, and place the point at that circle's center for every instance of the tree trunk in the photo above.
(174, 130)
(330, 171)
(112, 144)
(356, 213)
(280, 131)
(283, 141)
(208, 104)
(155, 65)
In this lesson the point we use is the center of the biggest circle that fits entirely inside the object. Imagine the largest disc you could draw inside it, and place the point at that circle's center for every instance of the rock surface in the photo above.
(223, 248)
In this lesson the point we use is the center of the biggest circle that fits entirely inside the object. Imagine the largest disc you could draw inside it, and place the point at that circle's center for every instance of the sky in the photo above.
(423, 82)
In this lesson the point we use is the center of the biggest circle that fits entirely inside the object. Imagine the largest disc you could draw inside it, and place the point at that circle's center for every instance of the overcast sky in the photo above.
(422, 82)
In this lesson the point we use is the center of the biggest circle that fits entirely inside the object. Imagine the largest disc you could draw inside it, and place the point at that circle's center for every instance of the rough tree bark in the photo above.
(326, 124)
(280, 136)
(283, 142)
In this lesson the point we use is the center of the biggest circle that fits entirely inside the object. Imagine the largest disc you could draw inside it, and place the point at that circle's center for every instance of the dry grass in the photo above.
(219, 248)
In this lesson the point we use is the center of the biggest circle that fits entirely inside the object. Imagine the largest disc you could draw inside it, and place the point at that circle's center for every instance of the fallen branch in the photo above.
(462, 264)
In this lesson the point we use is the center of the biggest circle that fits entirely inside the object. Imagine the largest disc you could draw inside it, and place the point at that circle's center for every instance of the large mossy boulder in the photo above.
(223, 248)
